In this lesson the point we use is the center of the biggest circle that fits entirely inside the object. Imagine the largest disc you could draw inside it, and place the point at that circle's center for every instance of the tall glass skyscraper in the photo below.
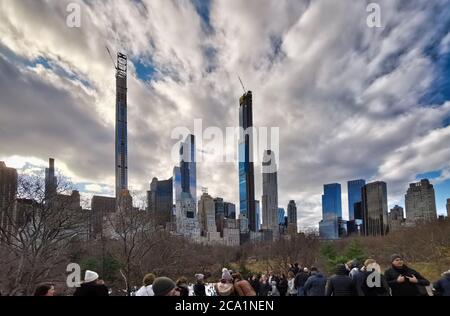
(188, 167)
(354, 196)
(375, 209)
(246, 167)
(332, 211)
(176, 187)
(270, 192)
(121, 125)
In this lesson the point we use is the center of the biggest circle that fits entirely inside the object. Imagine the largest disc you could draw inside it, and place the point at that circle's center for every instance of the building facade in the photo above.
(8, 193)
(354, 189)
(375, 209)
(396, 218)
(270, 194)
(420, 202)
(188, 167)
(160, 201)
(292, 218)
(331, 211)
(246, 162)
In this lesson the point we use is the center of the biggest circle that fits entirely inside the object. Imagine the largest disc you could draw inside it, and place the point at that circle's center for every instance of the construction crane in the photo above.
(112, 59)
(121, 66)
(245, 91)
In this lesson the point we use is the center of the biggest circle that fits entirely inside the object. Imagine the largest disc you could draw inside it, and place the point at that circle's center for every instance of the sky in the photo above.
(350, 101)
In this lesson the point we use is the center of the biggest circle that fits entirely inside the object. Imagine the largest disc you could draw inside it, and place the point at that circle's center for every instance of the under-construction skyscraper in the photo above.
(121, 125)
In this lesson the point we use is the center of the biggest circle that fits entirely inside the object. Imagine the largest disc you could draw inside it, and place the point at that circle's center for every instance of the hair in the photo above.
(314, 269)
(182, 280)
(42, 289)
(349, 264)
(237, 276)
(149, 279)
(290, 274)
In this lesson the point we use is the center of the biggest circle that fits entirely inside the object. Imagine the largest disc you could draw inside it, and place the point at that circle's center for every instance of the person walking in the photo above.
(91, 286)
(182, 286)
(442, 287)
(291, 286)
(316, 283)
(300, 280)
(147, 287)
(199, 287)
(373, 282)
(282, 285)
(403, 280)
(264, 286)
(340, 284)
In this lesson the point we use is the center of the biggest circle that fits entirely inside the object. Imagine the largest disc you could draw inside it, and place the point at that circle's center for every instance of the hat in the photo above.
(199, 277)
(446, 273)
(90, 276)
(162, 286)
(226, 275)
(396, 256)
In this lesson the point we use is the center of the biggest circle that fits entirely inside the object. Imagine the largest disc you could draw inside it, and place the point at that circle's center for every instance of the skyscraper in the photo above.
(121, 126)
(270, 193)
(354, 195)
(331, 210)
(246, 166)
(420, 202)
(258, 215)
(176, 182)
(207, 215)
(375, 209)
(188, 169)
(50, 180)
(160, 201)
(292, 218)
(8, 192)
(229, 210)
(395, 218)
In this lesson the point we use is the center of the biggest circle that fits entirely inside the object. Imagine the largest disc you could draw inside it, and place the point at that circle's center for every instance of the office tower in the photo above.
(188, 167)
(354, 195)
(121, 127)
(50, 180)
(101, 206)
(187, 223)
(375, 209)
(292, 212)
(160, 201)
(292, 218)
(448, 208)
(331, 210)
(420, 202)
(246, 166)
(258, 215)
(8, 193)
(176, 181)
(207, 214)
(270, 193)
(219, 207)
(229, 210)
(395, 218)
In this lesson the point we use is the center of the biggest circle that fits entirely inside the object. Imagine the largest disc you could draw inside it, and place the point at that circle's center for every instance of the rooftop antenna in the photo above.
(245, 91)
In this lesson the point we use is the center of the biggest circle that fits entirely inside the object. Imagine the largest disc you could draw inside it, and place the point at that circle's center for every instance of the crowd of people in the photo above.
(350, 279)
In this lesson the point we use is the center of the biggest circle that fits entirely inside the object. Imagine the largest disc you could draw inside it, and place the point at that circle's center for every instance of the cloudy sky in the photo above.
(350, 101)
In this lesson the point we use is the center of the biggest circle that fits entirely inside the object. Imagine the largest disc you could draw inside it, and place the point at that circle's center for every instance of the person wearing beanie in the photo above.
(403, 280)
(164, 286)
(442, 287)
(91, 286)
(199, 288)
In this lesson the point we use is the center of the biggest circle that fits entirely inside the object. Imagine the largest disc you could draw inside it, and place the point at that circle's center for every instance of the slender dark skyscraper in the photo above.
(188, 167)
(246, 167)
(354, 196)
(121, 125)
(50, 180)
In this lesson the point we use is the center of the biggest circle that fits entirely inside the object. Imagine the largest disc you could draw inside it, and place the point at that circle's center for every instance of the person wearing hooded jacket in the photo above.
(199, 287)
(442, 287)
(403, 280)
(340, 284)
(316, 283)
(91, 286)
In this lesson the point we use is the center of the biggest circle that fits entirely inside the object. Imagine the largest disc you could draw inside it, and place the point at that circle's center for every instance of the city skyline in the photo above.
(381, 130)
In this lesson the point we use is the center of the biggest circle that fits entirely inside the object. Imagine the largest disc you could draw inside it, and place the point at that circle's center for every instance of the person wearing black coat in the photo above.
(299, 282)
(373, 282)
(442, 287)
(315, 285)
(340, 284)
(254, 282)
(282, 285)
(403, 280)
(199, 287)
(264, 286)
